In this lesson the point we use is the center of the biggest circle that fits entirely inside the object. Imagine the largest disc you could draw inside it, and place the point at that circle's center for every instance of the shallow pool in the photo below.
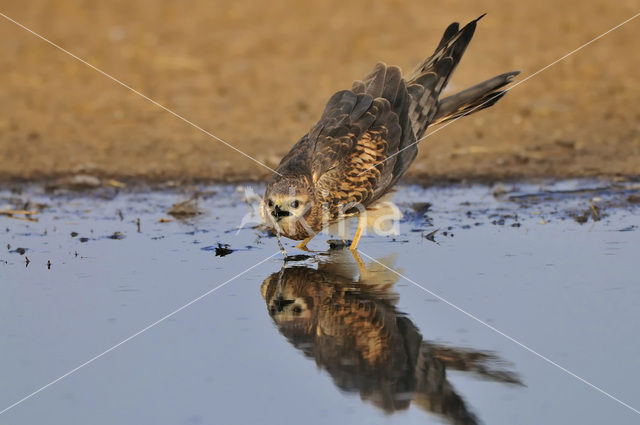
(522, 308)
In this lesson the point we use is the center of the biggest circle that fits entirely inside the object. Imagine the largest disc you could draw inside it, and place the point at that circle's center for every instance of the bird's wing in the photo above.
(366, 137)
(356, 133)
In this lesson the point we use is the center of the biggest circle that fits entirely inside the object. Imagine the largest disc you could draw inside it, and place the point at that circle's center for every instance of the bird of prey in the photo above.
(366, 139)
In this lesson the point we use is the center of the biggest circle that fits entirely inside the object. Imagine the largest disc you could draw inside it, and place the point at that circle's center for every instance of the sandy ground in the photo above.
(257, 74)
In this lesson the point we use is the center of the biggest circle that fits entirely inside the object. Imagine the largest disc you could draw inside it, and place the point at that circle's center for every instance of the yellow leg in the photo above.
(361, 265)
(303, 245)
(356, 238)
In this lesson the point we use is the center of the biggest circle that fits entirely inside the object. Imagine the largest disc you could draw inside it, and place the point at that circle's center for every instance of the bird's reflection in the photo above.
(352, 329)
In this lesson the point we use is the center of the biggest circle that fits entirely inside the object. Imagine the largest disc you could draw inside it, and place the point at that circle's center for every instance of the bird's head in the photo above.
(290, 298)
(287, 202)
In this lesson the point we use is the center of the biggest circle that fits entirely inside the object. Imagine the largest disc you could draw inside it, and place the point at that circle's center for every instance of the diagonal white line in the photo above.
(157, 322)
(531, 350)
(137, 92)
(507, 89)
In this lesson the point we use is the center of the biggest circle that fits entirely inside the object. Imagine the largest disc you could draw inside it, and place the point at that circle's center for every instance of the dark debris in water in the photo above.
(633, 199)
(196, 231)
(297, 257)
(592, 212)
(185, 209)
(417, 212)
(628, 228)
(421, 207)
(555, 194)
(338, 243)
(432, 236)
(221, 250)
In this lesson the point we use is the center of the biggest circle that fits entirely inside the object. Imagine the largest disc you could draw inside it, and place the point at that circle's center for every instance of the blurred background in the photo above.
(258, 74)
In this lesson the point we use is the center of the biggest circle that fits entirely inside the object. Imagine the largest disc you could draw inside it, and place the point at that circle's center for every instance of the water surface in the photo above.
(326, 339)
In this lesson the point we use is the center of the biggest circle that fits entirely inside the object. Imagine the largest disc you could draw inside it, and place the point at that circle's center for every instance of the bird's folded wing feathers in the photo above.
(355, 133)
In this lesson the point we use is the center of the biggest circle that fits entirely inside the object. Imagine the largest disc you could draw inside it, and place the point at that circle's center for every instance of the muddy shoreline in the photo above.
(579, 200)
(90, 182)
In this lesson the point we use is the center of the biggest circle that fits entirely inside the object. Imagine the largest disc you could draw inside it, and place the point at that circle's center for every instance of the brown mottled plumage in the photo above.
(367, 137)
(352, 329)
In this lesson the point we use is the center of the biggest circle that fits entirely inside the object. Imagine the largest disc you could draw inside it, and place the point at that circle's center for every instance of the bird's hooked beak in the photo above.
(277, 213)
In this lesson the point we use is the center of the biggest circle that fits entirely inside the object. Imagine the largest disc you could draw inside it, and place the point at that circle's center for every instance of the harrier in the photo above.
(366, 139)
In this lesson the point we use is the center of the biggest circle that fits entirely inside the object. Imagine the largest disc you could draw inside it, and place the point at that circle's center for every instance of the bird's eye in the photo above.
(270, 203)
(295, 204)
(297, 309)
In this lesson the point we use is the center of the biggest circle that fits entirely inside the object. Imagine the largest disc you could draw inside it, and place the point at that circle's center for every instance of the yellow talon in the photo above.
(303, 245)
